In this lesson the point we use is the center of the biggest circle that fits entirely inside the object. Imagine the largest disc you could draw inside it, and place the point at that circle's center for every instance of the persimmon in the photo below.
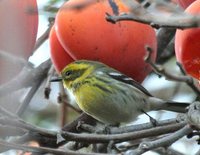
(85, 34)
(184, 3)
(59, 56)
(187, 45)
(19, 24)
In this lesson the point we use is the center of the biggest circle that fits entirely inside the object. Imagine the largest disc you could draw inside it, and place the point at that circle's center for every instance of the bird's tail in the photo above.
(159, 104)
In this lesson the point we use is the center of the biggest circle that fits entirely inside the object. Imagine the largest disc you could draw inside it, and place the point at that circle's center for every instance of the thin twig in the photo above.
(26, 78)
(63, 107)
(93, 137)
(72, 126)
(43, 150)
(96, 138)
(163, 142)
(193, 115)
(190, 83)
(145, 15)
(13, 59)
(63, 99)
(130, 128)
(20, 140)
(6, 113)
(44, 36)
(162, 72)
(167, 53)
(23, 106)
(71, 106)
(7, 131)
(164, 36)
(47, 89)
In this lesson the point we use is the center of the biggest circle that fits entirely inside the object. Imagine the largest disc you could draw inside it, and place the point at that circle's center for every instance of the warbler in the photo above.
(108, 95)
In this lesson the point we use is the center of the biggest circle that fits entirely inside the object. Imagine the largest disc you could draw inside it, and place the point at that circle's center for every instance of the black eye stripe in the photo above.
(68, 73)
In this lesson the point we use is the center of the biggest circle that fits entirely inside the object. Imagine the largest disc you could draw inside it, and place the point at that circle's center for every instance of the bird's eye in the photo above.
(68, 73)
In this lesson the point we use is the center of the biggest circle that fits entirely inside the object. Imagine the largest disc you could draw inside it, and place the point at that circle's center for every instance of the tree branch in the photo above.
(156, 17)
(163, 142)
(26, 78)
(43, 150)
(162, 72)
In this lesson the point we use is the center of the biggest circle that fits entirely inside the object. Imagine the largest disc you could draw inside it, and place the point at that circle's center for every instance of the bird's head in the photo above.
(77, 71)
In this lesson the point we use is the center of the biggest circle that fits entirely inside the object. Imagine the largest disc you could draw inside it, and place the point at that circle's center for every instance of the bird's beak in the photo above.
(57, 79)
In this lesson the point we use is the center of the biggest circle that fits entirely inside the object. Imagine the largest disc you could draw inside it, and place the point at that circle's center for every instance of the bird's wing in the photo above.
(125, 79)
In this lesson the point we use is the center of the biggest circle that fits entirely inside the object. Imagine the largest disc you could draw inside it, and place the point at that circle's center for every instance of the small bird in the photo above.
(108, 95)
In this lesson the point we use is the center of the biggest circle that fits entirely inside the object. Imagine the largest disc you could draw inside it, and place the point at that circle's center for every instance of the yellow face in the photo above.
(77, 71)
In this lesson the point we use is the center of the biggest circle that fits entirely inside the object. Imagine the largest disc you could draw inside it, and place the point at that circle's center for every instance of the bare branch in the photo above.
(162, 72)
(44, 36)
(26, 78)
(47, 89)
(6, 131)
(163, 142)
(96, 138)
(13, 59)
(194, 115)
(164, 37)
(43, 150)
(63, 107)
(126, 129)
(28, 98)
(170, 17)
